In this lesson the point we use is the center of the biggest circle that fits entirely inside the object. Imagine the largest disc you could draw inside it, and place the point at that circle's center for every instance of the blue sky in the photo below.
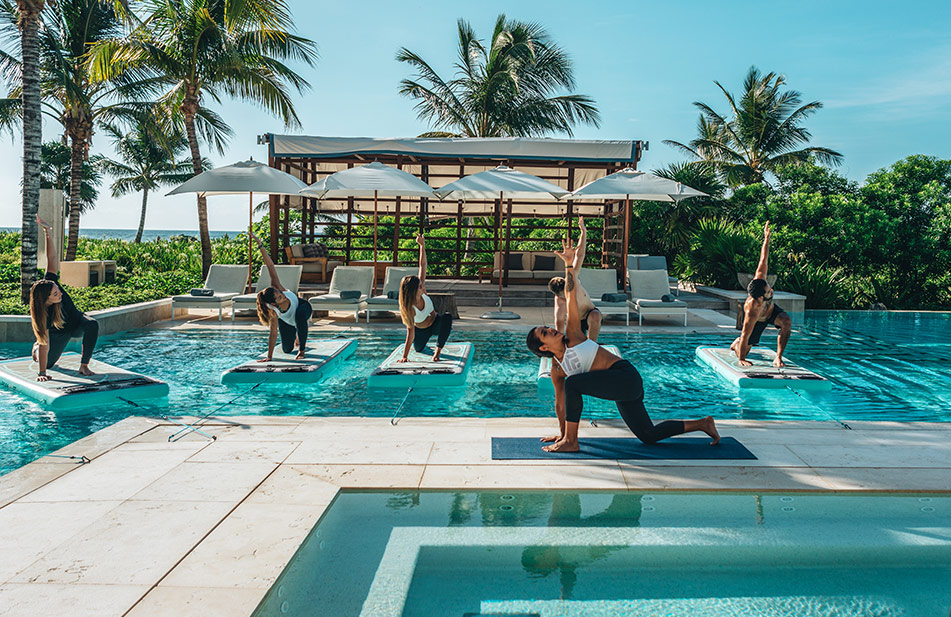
(882, 69)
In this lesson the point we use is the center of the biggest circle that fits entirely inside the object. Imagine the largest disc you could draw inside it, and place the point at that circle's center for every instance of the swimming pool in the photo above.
(598, 554)
(885, 366)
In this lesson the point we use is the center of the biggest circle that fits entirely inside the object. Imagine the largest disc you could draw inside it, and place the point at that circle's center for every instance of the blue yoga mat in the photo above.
(679, 448)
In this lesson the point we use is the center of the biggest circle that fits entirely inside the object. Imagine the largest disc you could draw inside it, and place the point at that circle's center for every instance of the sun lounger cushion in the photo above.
(215, 298)
(337, 299)
(643, 303)
(350, 294)
(616, 297)
(202, 291)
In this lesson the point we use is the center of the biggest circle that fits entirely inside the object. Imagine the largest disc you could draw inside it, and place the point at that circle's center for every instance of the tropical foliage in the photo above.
(198, 49)
(509, 89)
(56, 172)
(762, 131)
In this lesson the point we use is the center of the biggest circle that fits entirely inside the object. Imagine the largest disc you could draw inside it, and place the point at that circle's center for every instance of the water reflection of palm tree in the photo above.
(541, 561)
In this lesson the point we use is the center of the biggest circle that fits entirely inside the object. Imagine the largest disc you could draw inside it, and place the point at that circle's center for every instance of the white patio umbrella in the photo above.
(501, 182)
(373, 180)
(629, 184)
(245, 177)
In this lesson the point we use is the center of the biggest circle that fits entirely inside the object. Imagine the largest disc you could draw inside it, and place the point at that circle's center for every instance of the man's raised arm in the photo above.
(763, 265)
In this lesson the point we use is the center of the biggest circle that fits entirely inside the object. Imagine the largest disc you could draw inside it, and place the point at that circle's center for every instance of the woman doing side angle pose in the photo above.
(581, 366)
(282, 311)
(56, 319)
(418, 314)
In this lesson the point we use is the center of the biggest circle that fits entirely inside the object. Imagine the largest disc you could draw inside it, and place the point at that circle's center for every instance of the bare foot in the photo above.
(709, 427)
(562, 446)
(552, 438)
(84, 370)
(778, 363)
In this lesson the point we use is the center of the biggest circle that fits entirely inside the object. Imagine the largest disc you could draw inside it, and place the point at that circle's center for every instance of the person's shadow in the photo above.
(541, 561)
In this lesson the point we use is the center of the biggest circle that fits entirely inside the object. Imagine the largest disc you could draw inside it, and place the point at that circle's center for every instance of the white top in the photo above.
(578, 359)
(423, 313)
(288, 315)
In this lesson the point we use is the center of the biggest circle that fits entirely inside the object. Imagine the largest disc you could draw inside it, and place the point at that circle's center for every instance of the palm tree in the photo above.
(30, 12)
(760, 134)
(56, 173)
(215, 48)
(508, 90)
(680, 218)
(146, 164)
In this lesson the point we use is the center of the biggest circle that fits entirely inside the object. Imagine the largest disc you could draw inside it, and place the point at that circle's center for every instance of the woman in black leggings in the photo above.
(581, 366)
(418, 313)
(56, 319)
(282, 310)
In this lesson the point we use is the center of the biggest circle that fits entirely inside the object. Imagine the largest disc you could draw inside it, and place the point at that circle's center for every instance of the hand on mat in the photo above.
(420, 240)
(43, 377)
(267, 359)
(745, 363)
(402, 360)
(778, 362)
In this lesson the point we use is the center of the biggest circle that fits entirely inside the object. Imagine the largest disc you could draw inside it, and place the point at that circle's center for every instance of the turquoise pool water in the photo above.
(628, 554)
(885, 366)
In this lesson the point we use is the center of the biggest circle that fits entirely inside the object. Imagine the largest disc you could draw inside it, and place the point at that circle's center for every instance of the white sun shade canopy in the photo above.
(367, 180)
(638, 185)
(511, 184)
(241, 178)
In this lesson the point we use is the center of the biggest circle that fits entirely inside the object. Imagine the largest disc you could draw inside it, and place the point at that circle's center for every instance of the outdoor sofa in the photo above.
(526, 266)
(314, 258)
(647, 289)
(350, 287)
(290, 279)
(227, 282)
(599, 283)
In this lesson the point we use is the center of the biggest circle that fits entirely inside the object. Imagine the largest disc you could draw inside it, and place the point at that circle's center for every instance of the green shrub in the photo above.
(9, 273)
(718, 251)
(824, 287)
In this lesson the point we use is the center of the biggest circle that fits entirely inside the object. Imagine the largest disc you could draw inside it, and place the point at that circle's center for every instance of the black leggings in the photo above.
(86, 327)
(299, 332)
(622, 384)
(442, 325)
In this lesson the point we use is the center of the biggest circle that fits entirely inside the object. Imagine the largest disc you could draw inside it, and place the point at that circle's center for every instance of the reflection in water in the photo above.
(541, 561)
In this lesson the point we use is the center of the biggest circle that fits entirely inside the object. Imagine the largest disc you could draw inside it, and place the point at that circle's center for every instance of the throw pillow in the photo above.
(514, 261)
(350, 294)
(666, 298)
(202, 292)
(545, 263)
(315, 250)
(616, 297)
(392, 295)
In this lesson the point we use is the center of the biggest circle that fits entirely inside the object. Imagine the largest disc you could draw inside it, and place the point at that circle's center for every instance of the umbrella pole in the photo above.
(500, 314)
(250, 239)
(374, 240)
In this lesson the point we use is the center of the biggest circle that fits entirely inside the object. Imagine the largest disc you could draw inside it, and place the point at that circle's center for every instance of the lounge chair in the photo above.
(391, 282)
(347, 279)
(290, 279)
(228, 282)
(647, 289)
(600, 282)
(651, 262)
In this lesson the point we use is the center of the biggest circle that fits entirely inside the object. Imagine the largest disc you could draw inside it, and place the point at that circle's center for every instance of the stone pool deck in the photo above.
(150, 528)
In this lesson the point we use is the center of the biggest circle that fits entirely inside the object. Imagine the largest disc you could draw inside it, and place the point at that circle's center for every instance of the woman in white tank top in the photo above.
(282, 311)
(418, 314)
(580, 366)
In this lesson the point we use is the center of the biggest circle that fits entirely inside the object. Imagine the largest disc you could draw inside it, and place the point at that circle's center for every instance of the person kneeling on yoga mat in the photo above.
(56, 319)
(418, 314)
(581, 366)
(282, 311)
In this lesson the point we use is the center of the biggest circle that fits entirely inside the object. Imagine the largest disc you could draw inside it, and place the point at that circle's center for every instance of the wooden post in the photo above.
(396, 224)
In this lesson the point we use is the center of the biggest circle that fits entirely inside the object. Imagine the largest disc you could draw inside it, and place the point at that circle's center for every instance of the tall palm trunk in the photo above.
(190, 108)
(76, 156)
(145, 201)
(32, 140)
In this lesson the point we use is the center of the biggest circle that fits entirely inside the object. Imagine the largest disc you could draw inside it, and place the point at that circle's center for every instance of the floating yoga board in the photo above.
(762, 374)
(420, 371)
(322, 357)
(68, 389)
(545, 386)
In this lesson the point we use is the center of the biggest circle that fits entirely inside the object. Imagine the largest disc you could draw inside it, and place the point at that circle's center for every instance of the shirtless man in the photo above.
(759, 312)
(590, 316)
